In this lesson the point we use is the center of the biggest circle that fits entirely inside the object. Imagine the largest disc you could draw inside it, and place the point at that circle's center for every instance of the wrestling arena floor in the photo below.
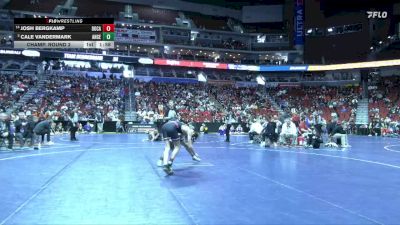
(113, 179)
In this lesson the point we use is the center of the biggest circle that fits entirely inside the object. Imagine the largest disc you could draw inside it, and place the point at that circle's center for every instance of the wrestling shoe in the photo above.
(160, 163)
(196, 158)
(49, 143)
(168, 169)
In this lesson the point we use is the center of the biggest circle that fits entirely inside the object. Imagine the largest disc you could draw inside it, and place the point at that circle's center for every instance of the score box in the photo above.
(108, 27)
(108, 36)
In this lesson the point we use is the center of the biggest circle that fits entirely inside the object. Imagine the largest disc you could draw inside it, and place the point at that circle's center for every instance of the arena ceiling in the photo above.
(237, 4)
(331, 7)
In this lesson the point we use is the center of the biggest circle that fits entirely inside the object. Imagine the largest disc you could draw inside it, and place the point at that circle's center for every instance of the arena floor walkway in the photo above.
(113, 179)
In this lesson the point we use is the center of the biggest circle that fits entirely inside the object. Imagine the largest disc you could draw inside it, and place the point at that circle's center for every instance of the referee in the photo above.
(228, 121)
(73, 120)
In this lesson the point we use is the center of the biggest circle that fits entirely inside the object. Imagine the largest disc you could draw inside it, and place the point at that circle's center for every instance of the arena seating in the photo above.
(208, 22)
(12, 87)
(155, 15)
(385, 99)
(34, 5)
(88, 95)
(327, 100)
(206, 104)
(191, 101)
(98, 8)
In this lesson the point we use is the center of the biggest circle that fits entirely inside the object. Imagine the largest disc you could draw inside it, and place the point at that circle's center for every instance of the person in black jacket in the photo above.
(28, 131)
(330, 127)
(337, 132)
(269, 132)
(73, 121)
(313, 139)
(20, 124)
(43, 127)
(228, 122)
(99, 122)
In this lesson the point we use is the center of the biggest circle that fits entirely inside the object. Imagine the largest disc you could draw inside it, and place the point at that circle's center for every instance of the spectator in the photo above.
(289, 132)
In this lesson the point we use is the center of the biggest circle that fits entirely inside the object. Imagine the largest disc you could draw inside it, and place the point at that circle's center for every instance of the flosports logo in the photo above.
(377, 14)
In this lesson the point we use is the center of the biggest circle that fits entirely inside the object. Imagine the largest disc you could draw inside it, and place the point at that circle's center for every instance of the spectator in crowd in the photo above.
(338, 133)
(5, 131)
(204, 128)
(222, 129)
(313, 139)
(271, 136)
(289, 133)
(256, 129)
(239, 129)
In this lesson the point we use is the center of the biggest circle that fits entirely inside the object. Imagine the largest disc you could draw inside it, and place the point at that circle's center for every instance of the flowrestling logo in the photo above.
(377, 14)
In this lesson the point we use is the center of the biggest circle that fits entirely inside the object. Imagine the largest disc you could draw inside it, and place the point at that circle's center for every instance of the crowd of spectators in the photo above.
(384, 98)
(12, 87)
(88, 95)
(201, 103)
(245, 103)
(210, 103)
(325, 101)
(384, 105)
(191, 101)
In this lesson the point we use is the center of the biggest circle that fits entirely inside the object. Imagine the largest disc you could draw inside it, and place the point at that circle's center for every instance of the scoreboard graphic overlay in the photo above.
(87, 33)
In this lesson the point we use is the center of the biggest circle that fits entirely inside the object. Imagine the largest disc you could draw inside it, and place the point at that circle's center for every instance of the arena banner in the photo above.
(299, 22)
(243, 67)
(200, 64)
(221, 82)
(143, 78)
(11, 72)
(26, 53)
(245, 84)
(290, 84)
(52, 54)
(139, 128)
(187, 63)
(10, 52)
(68, 73)
(283, 68)
(88, 56)
(272, 84)
(357, 65)
(174, 80)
